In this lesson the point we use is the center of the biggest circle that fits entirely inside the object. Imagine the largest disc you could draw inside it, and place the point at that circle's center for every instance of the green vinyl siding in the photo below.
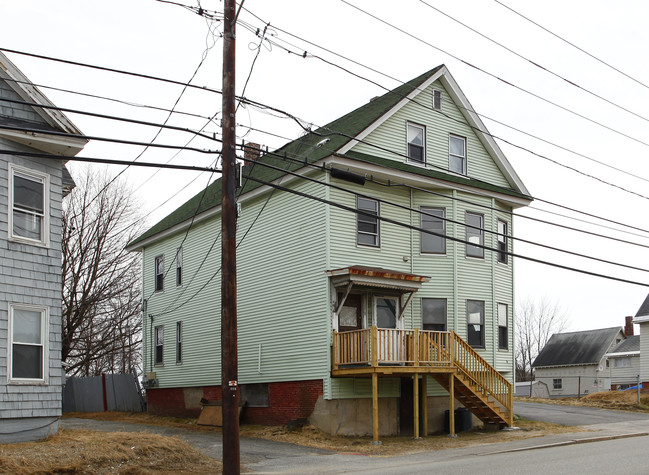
(347, 388)
(282, 295)
(390, 140)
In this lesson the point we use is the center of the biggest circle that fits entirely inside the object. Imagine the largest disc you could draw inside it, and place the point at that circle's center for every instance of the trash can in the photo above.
(463, 420)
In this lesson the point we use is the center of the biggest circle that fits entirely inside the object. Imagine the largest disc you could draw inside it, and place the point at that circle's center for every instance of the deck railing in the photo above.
(488, 380)
(374, 346)
(382, 346)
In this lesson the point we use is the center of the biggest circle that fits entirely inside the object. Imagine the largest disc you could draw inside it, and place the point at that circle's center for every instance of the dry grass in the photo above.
(616, 400)
(128, 453)
(310, 436)
(140, 453)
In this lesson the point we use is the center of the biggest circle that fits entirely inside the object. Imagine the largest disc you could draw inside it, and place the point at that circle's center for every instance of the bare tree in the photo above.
(536, 322)
(101, 322)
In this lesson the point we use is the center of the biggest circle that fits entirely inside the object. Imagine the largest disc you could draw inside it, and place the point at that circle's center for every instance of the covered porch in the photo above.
(376, 352)
(370, 341)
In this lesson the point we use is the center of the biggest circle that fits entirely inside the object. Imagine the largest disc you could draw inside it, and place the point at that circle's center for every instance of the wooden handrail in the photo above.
(487, 379)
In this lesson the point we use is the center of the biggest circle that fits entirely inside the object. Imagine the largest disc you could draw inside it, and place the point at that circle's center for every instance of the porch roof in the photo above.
(377, 277)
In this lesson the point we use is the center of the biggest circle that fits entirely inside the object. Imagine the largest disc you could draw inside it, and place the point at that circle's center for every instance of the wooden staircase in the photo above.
(478, 386)
(443, 355)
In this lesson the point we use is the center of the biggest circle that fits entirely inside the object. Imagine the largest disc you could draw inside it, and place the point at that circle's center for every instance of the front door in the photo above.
(350, 316)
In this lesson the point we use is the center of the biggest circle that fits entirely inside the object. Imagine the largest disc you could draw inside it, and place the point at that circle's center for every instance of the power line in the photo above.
(536, 64)
(537, 96)
(637, 81)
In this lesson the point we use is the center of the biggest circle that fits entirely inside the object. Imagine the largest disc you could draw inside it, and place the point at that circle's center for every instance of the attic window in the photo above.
(437, 99)
(416, 143)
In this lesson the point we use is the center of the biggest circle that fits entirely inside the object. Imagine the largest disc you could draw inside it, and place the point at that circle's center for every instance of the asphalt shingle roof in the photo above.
(631, 343)
(576, 348)
(308, 149)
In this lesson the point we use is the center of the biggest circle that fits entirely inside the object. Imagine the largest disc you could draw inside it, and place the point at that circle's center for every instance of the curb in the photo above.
(571, 442)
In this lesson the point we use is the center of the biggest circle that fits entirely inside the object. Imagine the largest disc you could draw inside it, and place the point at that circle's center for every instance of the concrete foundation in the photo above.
(354, 416)
(27, 429)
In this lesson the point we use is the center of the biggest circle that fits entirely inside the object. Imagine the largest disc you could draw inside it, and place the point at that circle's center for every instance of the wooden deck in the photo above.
(445, 356)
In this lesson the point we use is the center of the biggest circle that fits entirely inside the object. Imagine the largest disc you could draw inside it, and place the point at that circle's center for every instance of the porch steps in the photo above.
(475, 399)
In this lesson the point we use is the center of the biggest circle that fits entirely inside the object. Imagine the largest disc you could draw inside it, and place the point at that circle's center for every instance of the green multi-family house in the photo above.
(375, 274)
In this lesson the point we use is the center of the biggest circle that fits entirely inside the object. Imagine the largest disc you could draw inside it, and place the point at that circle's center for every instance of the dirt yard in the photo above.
(80, 451)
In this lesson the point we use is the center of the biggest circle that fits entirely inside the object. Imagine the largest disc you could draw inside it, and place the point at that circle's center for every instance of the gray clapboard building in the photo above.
(32, 185)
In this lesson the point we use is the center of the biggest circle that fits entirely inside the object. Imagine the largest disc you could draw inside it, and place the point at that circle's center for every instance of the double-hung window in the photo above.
(502, 241)
(433, 314)
(433, 219)
(475, 323)
(474, 234)
(28, 331)
(457, 154)
(159, 273)
(557, 383)
(503, 328)
(367, 222)
(179, 342)
(28, 206)
(159, 345)
(179, 266)
(416, 143)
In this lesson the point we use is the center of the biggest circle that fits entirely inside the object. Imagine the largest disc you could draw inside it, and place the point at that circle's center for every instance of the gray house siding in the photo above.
(30, 275)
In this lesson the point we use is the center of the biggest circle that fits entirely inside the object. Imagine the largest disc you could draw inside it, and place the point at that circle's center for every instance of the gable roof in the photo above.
(54, 119)
(643, 312)
(630, 345)
(576, 348)
(335, 140)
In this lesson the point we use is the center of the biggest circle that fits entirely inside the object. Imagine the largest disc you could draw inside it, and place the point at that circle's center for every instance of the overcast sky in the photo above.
(573, 124)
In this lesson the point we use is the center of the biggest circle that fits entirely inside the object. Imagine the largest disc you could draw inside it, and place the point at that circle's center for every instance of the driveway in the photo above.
(252, 450)
(574, 415)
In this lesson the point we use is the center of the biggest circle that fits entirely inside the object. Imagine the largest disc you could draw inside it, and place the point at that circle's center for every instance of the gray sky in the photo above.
(591, 135)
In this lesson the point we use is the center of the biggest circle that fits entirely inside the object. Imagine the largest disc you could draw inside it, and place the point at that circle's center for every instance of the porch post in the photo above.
(424, 409)
(451, 405)
(375, 409)
(415, 396)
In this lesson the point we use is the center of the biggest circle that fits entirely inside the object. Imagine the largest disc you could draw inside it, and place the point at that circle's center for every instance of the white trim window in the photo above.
(557, 383)
(503, 327)
(502, 241)
(179, 342)
(474, 234)
(159, 345)
(433, 314)
(179, 267)
(457, 154)
(29, 219)
(159, 268)
(367, 227)
(475, 323)
(28, 343)
(437, 99)
(416, 143)
(433, 219)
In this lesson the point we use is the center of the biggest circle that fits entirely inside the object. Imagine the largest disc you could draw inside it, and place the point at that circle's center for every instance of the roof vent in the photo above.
(322, 142)
(374, 98)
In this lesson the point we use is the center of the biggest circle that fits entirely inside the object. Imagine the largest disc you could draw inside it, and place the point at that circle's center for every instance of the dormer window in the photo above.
(457, 154)
(416, 143)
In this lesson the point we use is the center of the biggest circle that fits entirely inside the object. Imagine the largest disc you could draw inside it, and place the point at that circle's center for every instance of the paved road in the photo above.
(573, 415)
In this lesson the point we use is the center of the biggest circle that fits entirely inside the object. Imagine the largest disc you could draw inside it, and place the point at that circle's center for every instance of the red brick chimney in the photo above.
(628, 326)
(251, 152)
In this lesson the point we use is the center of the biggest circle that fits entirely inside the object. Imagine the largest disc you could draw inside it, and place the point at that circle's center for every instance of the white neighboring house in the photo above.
(574, 364)
(31, 191)
(642, 319)
(624, 363)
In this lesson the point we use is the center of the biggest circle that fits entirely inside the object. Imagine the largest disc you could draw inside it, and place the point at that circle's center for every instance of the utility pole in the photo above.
(229, 355)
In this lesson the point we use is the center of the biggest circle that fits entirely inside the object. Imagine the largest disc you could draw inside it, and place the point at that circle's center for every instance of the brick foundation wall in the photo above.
(287, 401)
